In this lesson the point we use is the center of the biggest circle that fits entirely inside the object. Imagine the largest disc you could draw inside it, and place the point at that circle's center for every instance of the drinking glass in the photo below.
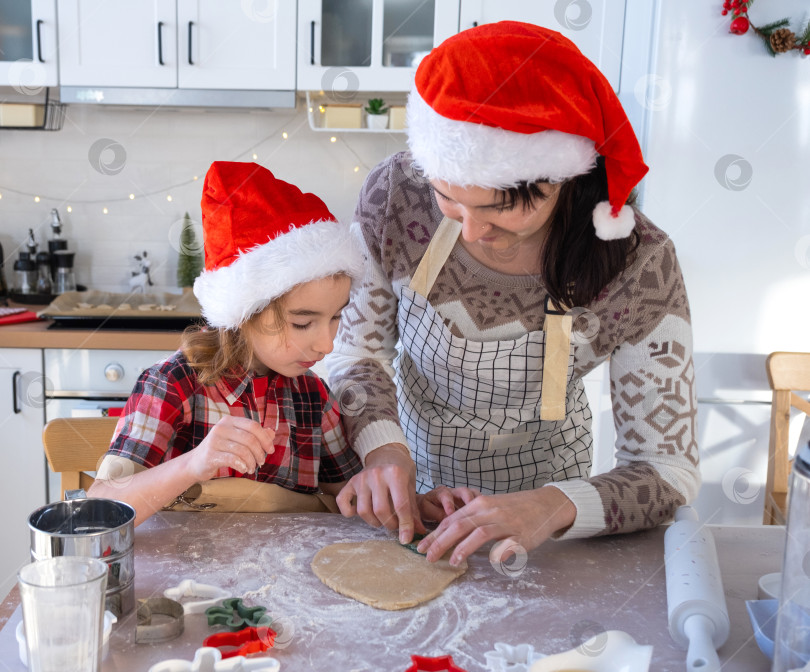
(63, 612)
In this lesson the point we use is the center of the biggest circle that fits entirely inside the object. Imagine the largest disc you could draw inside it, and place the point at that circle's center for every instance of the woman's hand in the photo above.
(524, 518)
(384, 493)
(442, 501)
(240, 444)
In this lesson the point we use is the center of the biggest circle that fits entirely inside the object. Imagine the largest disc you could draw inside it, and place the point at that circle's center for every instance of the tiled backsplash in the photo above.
(104, 154)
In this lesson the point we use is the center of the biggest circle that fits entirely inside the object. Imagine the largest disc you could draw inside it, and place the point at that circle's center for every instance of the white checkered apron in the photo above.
(471, 409)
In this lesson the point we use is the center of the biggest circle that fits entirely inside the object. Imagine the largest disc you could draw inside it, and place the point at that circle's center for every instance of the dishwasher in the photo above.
(88, 382)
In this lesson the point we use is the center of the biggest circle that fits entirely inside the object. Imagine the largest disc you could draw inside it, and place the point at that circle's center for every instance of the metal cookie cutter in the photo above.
(209, 659)
(235, 616)
(190, 588)
(146, 632)
(506, 658)
(242, 643)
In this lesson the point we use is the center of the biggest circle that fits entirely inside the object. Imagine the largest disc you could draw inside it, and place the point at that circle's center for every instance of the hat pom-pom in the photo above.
(612, 227)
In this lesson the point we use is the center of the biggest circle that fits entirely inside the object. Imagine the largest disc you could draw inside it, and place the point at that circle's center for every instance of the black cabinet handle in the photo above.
(475, 24)
(39, 41)
(17, 375)
(312, 43)
(190, 25)
(160, 43)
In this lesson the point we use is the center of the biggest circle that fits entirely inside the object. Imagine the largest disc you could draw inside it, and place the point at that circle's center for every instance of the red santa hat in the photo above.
(510, 102)
(263, 237)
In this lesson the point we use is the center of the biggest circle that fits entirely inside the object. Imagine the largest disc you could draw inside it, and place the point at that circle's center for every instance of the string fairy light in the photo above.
(104, 202)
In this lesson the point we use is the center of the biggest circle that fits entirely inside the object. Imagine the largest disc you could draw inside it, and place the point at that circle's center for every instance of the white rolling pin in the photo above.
(698, 618)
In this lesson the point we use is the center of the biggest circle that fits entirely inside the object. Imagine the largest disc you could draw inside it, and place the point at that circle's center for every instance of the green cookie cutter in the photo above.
(236, 616)
(414, 543)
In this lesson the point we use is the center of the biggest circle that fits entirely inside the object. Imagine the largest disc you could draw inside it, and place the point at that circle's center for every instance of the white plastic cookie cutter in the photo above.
(606, 652)
(212, 595)
(507, 658)
(209, 659)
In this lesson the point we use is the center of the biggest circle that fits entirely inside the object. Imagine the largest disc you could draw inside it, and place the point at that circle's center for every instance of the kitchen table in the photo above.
(563, 593)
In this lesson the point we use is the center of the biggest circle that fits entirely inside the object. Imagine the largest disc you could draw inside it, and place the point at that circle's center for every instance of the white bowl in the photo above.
(769, 586)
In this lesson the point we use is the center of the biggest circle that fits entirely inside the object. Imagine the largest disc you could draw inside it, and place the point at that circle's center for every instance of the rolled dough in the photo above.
(383, 574)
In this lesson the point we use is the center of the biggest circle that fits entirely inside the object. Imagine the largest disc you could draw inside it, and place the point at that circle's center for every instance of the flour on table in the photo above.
(383, 574)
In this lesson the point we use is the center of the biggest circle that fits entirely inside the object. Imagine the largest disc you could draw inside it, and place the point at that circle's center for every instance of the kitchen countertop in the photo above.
(566, 592)
(37, 335)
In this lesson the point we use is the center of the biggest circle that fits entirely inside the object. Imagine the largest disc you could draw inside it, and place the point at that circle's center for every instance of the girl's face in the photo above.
(486, 223)
(311, 318)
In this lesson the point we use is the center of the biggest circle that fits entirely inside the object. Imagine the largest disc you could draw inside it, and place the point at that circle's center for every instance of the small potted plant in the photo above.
(376, 114)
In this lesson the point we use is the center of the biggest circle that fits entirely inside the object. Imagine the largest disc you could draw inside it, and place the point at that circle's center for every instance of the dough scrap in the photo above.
(383, 574)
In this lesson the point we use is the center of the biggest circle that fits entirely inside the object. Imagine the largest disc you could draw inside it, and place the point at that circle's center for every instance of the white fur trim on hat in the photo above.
(470, 154)
(609, 227)
(231, 294)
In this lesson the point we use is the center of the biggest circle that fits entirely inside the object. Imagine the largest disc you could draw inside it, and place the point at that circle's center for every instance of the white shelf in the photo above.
(314, 101)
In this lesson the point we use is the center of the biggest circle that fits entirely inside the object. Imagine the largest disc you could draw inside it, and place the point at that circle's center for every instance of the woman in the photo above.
(504, 263)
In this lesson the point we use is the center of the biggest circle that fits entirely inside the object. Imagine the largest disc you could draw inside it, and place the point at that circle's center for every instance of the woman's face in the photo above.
(312, 315)
(486, 223)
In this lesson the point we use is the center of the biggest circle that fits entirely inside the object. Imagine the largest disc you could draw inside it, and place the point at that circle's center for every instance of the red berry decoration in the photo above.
(807, 51)
(739, 26)
(724, 12)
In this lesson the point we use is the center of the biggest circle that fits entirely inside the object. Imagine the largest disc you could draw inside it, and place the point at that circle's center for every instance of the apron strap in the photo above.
(438, 249)
(557, 326)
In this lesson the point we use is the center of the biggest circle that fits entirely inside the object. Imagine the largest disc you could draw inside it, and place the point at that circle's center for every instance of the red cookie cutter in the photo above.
(244, 642)
(440, 664)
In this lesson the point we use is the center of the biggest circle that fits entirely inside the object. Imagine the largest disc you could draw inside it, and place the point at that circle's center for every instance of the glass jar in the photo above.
(792, 641)
(65, 279)
(44, 273)
(25, 274)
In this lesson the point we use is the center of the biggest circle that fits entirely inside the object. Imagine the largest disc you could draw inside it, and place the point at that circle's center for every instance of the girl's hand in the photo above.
(442, 501)
(518, 520)
(241, 444)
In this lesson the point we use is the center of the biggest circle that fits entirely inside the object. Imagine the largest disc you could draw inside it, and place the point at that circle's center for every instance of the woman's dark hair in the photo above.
(576, 265)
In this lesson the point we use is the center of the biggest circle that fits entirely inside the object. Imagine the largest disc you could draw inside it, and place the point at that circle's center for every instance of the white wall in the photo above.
(158, 152)
(728, 139)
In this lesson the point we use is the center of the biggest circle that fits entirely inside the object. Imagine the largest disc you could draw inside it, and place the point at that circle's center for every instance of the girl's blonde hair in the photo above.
(227, 353)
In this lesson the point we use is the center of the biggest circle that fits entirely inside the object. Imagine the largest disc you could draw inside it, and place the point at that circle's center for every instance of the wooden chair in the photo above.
(787, 371)
(74, 446)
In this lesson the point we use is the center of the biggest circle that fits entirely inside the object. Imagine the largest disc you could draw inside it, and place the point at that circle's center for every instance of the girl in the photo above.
(238, 398)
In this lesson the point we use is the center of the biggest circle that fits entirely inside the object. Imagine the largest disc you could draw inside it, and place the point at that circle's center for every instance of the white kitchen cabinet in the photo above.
(185, 44)
(28, 58)
(346, 46)
(236, 45)
(596, 26)
(22, 460)
(118, 43)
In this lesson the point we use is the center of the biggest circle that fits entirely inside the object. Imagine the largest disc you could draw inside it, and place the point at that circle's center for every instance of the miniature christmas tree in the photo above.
(190, 261)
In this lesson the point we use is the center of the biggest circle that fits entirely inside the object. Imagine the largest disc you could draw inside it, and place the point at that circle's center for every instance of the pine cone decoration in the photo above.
(782, 40)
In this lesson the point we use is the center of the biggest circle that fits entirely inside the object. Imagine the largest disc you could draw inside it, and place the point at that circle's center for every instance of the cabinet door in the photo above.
(28, 44)
(22, 460)
(368, 45)
(118, 43)
(236, 45)
(596, 26)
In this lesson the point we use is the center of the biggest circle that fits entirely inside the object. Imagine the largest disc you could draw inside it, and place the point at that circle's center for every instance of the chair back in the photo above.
(787, 373)
(74, 446)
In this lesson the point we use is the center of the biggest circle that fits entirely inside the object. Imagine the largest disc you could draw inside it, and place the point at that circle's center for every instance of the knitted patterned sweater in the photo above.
(640, 321)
